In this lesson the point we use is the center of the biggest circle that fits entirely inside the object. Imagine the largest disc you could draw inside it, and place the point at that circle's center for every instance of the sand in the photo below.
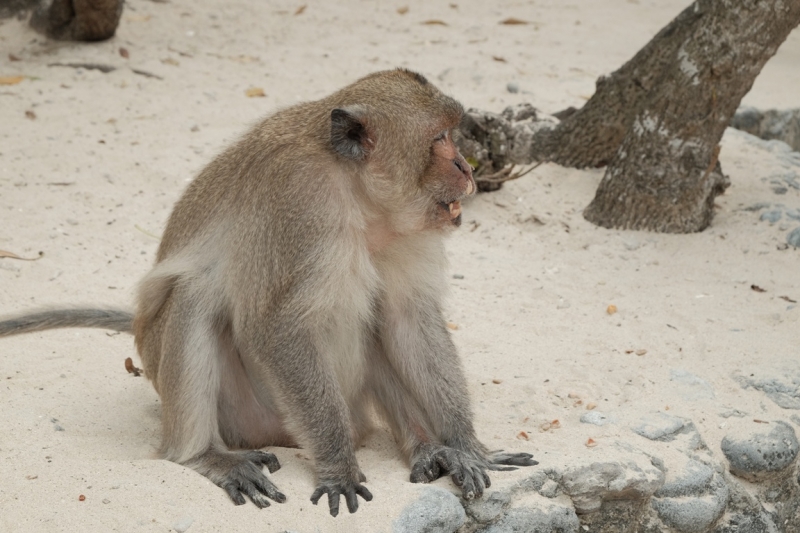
(91, 163)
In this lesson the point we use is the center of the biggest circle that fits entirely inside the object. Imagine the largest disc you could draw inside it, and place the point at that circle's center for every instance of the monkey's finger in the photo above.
(458, 479)
(467, 485)
(266, 487)
(265, 458)
(479, 480)
(234, 494)
(317, 495)
(487, 481)
(254, 494)
(422, 473)
(333, 501)
(364, 493)
(352, 500)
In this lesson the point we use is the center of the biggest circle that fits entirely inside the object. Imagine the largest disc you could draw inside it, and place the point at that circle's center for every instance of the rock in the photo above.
(794, 214)
(658, 426)
(758, 455)
(690, 386)
(692, 500)
(554, 518)
(733, 412)
(794, 237)
(549, 489)
(512, 87)
(783, 125)
(693, 480)
(597, 418)
(784, 391)
(628, 477)
(774, 215)
(436, 511)
(487, 509)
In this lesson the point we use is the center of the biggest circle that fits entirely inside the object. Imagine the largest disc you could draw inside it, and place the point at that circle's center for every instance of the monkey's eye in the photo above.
(442, 136)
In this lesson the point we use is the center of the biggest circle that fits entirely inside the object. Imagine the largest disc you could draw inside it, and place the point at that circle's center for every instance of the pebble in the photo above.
(772, 216)
(597, 418)
(512, 87)
(183, 524)
(784, 393)
(759, 454)
(436, 511)
(658, 426)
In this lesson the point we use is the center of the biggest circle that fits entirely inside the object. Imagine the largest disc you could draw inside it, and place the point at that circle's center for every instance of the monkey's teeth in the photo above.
(454, 208)
(470, 187)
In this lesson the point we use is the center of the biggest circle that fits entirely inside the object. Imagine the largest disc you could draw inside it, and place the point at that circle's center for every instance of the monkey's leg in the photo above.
(189, 385)
(285, 354)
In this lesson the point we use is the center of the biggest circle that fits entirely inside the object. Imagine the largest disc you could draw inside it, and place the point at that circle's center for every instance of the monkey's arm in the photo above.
(114, 319)
(287, 355)
(441, 438)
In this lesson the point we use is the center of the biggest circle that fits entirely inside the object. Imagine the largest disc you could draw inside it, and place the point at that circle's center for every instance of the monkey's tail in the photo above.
(110, 318)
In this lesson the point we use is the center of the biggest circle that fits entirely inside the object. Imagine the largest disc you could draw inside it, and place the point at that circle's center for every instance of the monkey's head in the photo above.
(398, 128)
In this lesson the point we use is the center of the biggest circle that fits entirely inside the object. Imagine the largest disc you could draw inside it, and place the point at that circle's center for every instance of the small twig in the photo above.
(505, 174)
(156, 237)
(105, 69)
(146, 74)
(12, 255)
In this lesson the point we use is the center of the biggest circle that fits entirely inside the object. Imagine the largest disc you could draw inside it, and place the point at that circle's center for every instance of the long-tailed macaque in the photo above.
(299, 282)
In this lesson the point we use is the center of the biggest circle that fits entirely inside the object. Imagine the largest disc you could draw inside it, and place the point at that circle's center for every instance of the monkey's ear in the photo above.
(350, 135)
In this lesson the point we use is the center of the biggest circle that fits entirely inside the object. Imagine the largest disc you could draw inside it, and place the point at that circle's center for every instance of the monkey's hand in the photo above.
(245, 476)
(468, 471)
(349, 489)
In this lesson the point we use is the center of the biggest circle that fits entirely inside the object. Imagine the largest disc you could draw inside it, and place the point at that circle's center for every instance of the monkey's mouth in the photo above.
(453, 208)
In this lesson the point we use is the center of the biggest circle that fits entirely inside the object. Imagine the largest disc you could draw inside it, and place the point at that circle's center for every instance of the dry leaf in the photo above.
(11, 80)
(497, 381)
(611, 309)
(10, 255)
(402, 10)
(591, 443)
(31, 477)
(499, 59)
(452, 325)
(555, 424)
(523, 435)
(590, 406)
(435, 22)
(132, 369)
(124, 53)
(301, 9)
(757, 288)
(81, 498)
(513, 21)
(757, 421)
(255, 92)
(788, 299)
(30, 114)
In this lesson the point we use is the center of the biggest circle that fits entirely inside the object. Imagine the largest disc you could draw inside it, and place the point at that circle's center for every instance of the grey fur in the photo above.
(294, 288)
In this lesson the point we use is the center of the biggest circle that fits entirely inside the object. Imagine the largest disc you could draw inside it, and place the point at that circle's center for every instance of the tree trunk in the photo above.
(664, 176)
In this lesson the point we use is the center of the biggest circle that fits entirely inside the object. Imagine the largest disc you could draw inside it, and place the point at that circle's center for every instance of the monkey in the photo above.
(73, 20)
(298, 287)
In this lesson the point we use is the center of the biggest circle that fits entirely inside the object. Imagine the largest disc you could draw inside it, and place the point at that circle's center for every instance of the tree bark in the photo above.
(665, 175)
(656, 122)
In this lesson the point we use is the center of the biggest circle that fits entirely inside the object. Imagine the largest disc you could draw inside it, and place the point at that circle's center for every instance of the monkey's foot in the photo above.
(467, 471)
(348, 489)
(239, 474)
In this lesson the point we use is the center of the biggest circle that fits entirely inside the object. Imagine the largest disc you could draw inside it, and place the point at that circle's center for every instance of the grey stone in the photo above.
(794, 214)
(658, 426)
(487, 509)
(693, 480)
(631, 478)
(774, 215)
(512, 87)
(436, 511)
(691, 387)
(756, 456)
(693, 514)
(785, 392)
(733, 412)
(794, 237)
(549, 489)
(597, 418)
(554, 518)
